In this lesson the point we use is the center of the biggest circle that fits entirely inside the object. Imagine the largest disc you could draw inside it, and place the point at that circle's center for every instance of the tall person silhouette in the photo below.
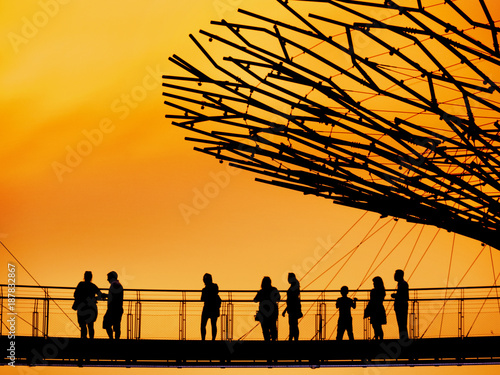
(401, 298)
(86, 295)
(268, 297)
(375, 309)
(211, 306)
(113, 317)
(293, 307)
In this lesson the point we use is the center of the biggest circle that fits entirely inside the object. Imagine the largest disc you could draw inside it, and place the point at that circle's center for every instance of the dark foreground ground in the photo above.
(58, 351)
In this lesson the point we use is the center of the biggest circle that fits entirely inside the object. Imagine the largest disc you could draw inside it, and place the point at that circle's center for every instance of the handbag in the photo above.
(75, 305)
(368, 311)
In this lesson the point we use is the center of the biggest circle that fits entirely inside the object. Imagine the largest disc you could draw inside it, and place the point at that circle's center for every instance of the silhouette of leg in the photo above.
(91, 330)
(349, 330)
(83, 331)
(379, 333)
(340, 329)
(402, 319)
(203, 328)
(213, 322)
(265, 329)
(109, 331)
(273, 330)
(293, 328)
(117, 329)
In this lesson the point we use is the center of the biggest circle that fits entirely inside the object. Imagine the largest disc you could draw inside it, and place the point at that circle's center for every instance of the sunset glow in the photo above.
(95, 178)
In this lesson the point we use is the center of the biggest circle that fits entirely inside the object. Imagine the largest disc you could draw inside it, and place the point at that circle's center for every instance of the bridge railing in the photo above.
(175, 314)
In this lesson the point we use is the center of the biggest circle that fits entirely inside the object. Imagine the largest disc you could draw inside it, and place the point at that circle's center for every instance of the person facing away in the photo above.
(375, 309)
(113, 317)
(268, 297)
(401, 298)
(211, 306)
(344, 304)
(293, 307)
(86, 295)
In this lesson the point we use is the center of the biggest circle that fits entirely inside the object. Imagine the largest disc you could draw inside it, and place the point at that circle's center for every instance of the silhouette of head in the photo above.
(87, 276)
(399, 275)
(344, 290)
(378, 283)
(292, 278)
(207, 279)
(266, 282)
(112, 276)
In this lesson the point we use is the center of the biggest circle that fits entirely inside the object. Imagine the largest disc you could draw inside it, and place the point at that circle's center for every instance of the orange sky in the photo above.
(93, 176)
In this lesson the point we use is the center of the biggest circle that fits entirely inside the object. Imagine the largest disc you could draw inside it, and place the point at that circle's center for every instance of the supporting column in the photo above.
(138, 316)
(321, 318)
(45, 326)
(461, 310)
(414, 317)
(34, 320)
(182, 317)
(227, 318)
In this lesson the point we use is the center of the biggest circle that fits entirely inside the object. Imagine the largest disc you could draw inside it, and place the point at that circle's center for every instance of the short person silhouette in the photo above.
(344, 304)
(268, 297)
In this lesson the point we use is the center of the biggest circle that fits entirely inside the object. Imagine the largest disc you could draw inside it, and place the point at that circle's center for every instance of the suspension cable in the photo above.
(447, 299)
(331, 248)
(484, 302)
(425, 252)
(447, 282)
(413, 249)
(35, 280)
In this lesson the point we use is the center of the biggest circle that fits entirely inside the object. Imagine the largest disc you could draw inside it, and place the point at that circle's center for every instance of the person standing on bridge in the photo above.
(86, 295)
(375, 309)
(344, 304)
(113, 317)
(293, 307)
(268, 297)
(211, 307)
(401, 298)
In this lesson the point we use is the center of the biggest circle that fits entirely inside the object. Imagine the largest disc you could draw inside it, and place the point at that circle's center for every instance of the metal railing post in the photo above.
(182, 317)
(45, 327)
(227, 318)
(138, 316)
(1, 310)
(321, 318)
(34, 320)
(461, 310)
(130, 321)
(414, 317)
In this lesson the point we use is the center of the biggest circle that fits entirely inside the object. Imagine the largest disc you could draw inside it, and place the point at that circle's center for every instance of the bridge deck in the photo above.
(57, 351)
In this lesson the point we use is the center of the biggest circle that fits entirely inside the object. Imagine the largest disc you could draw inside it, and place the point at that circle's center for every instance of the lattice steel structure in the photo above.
(386, 106)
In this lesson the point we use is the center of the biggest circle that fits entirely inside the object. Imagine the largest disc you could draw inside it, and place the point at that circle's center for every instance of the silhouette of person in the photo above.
(86, 294)
(401, 298)
(293, 307)
(211, 306)
(344, 304)
(375, 309)
(268, 297)
(113, 317)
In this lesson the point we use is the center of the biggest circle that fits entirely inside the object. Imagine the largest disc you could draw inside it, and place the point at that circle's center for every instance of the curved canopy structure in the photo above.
(386, 106)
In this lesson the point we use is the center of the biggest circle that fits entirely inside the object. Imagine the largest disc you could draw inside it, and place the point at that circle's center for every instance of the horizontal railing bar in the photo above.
(255, 290)
(252, 301)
